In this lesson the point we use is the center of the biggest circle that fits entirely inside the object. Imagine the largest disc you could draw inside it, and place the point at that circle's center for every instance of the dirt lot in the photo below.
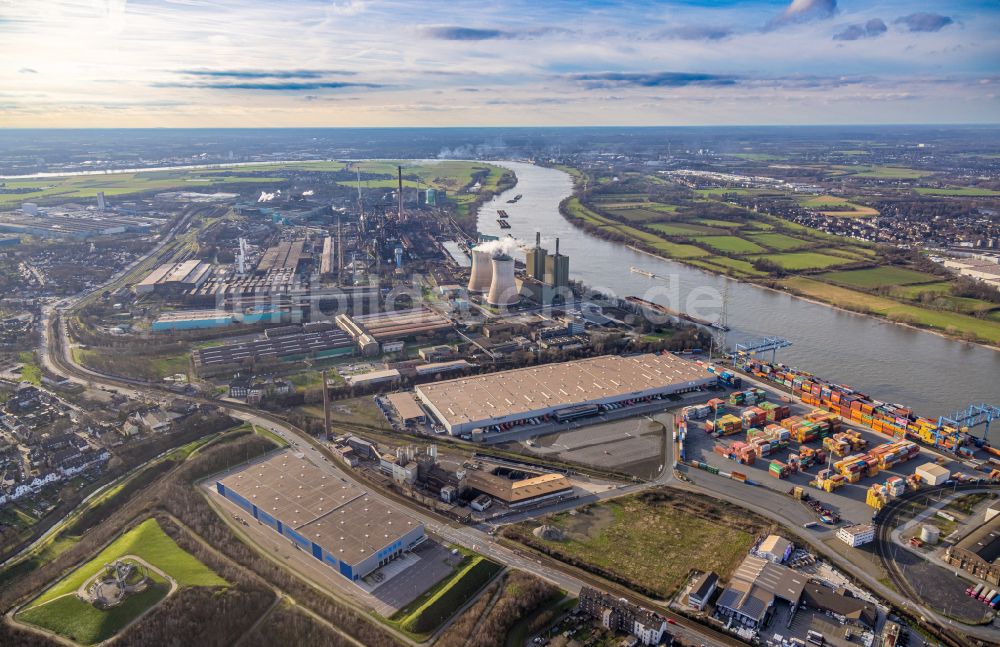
(632, 445)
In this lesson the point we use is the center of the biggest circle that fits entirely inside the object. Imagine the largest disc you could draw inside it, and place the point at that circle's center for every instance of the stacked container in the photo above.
(725, 425)
(778, 470)
(696, 412)
(877, 496)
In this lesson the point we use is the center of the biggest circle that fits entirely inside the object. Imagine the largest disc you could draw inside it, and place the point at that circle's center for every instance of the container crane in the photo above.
(761, 345)
(969, 417)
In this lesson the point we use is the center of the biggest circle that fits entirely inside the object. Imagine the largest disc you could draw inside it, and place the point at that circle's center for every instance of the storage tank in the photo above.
(503, 289)
(930, 534)
(482, 271)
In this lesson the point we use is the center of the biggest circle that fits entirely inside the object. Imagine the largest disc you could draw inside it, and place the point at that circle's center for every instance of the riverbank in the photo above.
(956, 326)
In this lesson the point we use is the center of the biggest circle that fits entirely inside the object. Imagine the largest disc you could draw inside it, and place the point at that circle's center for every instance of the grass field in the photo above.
(731, 244)
(779, 242)
(679, 250)
(31, 372)
(735, 264)
(888, 172)
(986, 329)
(59, 610)
(653, 545)
(969, 192)
(684, 229)
(804, 260)
(724, 224)
(86, 624)
(822, 201)
(640, 214)
(878, 277)
(440, 602)
(914, 291)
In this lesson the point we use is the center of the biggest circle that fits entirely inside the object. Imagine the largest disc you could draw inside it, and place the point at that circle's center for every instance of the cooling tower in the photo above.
(503, 290)
(482, 272)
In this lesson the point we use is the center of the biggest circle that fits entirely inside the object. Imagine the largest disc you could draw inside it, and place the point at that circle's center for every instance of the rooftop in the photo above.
(406, 405)
(984, 540)
(511, 491)
(523, 390)
(335, 514)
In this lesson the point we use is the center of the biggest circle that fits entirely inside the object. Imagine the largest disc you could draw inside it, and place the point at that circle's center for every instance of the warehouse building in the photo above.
(558, 390)
(978, 552)
(752, 590)
(336, 522)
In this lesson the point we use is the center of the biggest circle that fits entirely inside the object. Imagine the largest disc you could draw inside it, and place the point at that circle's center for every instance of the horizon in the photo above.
(389, 64)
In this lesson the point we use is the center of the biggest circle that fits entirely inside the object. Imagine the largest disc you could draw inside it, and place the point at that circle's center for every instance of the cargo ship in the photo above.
(639, 270)
(515, 199)
(503, 214)
(887, 418)
(642, 304)
(503, 223)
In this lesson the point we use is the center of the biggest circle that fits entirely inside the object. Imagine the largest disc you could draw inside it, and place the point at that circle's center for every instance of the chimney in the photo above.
(538, 239)
(557, 247)
(399, 171)
(326, 408)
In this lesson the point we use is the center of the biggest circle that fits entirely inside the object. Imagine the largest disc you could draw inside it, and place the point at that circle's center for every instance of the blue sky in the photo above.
(78, 63)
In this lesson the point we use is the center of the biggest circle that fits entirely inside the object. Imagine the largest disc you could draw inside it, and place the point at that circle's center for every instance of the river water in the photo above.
(934, 375)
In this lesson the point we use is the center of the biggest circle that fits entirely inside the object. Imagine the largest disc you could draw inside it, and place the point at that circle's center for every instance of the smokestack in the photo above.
(326, 408)
(557, 247)
(399, 171)
(503, 290)
(538, 239)
(482, 271)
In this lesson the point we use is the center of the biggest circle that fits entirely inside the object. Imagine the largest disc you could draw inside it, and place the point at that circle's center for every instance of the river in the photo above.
(934, 375)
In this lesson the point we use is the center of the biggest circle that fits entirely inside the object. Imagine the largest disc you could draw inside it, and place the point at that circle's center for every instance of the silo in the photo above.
(930, 534)
(503, 290)
(482, 272)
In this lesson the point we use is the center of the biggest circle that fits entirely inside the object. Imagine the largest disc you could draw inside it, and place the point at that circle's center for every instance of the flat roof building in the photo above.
(336, 522)
(406, 406)
(469, 403)
(749, 597)
(518, 492)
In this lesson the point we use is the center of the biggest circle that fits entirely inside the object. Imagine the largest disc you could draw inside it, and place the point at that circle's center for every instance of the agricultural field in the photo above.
(684, 229)
(679, 250)
(736, 264)
(724, 224)
(87, 186)
(886, 172)
(878, 277)
(968, 192)
(986, 329)
(650, 542)
(640, 214)
(822, 201)
(914, 291)
(731, 244)
(58, 608)
(779, 242)
(804, 260)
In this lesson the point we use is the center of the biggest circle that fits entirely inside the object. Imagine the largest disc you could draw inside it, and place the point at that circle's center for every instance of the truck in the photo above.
(974, 591)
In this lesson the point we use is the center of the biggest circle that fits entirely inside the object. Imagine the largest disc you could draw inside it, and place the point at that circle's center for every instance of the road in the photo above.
(55, 355)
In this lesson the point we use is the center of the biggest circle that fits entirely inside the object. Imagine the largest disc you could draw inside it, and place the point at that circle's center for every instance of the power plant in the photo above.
(482, 271)
(503, 289)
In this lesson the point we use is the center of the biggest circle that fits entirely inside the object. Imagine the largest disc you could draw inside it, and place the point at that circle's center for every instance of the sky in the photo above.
(260, 63)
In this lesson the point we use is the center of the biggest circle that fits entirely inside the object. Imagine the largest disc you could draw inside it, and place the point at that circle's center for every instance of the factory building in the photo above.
(191, 320)
(518, 489)
(560, 391)
(978, 552)
(372, 330)
(174, 277)
(336, 522)
(288, 348)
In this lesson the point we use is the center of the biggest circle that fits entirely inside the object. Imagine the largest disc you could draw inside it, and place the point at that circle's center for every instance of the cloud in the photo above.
(27, 70)
(270, 86)
(266, 74)
(697, 32)
(652, 79)
(804, 11)
(465, 33)
(871, 29)
(923, 21)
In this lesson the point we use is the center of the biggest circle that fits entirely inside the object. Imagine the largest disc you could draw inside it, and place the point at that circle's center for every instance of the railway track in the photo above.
(885, 523)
